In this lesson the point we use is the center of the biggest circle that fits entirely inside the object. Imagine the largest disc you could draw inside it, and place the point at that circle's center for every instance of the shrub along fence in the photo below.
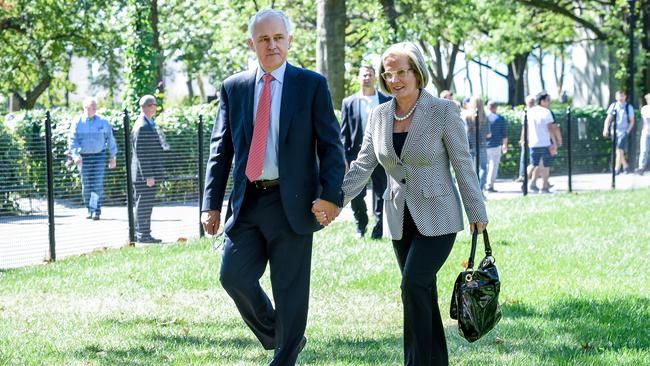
(35, 228)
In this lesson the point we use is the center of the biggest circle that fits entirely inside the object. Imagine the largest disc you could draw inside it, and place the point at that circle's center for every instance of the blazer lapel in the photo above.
(249, 104)
(388, 132)
(289, 94)
(419, 122)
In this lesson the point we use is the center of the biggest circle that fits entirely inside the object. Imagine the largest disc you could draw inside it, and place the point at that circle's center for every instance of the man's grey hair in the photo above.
(416, 61)
(147, 100)
(88, 101)
(266, 13)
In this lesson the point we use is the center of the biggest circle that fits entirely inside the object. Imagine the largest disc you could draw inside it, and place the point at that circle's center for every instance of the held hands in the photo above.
(324, 211)
(478, 226)
(78, 161)
(151, 182)
(112, 164)
(210, 220)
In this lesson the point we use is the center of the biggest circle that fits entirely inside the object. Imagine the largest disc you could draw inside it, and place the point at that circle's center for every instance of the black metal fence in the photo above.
(44, 216)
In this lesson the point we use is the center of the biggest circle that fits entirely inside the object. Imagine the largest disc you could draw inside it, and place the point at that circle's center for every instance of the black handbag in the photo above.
(475, 300)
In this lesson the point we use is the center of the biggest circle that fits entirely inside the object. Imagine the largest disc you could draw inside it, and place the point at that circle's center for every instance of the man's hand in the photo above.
(478, 226)
(112, 164)
(210, 220)
(151, 182)
(324, 211)
(606, 133)
(504, 148)
(77, 161)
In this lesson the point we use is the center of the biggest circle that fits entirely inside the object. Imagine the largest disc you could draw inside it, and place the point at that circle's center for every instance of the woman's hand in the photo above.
(479, 226)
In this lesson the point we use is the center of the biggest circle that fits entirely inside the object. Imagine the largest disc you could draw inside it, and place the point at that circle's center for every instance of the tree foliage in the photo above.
(38, 39)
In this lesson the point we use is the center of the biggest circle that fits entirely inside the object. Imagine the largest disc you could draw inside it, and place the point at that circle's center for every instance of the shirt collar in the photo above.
(367, 96)
(278, 74)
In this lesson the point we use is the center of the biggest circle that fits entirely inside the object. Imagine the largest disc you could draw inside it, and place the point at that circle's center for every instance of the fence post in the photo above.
(477, 137)
(524, 187)
(568, 146)
(50, 185)
(613, 135)
(201, 184)
(129, 181)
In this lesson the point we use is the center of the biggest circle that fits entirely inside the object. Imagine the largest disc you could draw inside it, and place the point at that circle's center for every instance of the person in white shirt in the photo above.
(544, 138)
(624, 114)
(354, 117)
(645, 136)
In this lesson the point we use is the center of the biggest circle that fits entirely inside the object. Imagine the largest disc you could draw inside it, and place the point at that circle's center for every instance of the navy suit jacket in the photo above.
(351, 129)
(311, 161)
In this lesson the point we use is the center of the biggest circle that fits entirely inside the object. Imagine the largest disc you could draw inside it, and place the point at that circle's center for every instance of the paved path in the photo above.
(24, 240)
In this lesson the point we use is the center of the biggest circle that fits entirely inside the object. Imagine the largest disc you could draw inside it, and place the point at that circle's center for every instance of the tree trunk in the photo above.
(29, 100)
(190, 89)
(645, 44)
(516, 68)
(330, 46)
(540, 63)
(441, 80)
(559, 76)
(157, 47)
(391, 15)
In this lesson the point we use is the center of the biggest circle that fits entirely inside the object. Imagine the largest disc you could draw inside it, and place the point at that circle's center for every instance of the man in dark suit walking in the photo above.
(354, 115)
(146, 168)
(278, 124)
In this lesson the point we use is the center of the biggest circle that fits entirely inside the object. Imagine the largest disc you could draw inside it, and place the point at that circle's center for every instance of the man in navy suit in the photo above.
(278, 124)
(354, 115)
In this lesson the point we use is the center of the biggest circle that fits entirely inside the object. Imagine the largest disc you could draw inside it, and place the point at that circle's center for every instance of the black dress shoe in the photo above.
(90, 216)
(302, 344)
(148, 239)
(96, 217)
(377, 232)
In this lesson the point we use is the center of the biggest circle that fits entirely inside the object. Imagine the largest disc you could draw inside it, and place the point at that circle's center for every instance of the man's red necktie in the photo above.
(260, 132)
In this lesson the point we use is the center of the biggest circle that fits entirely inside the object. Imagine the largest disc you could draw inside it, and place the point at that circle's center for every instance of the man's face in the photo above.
(270, 42)
(91, 109)
(621, 97)
(366, 77)
(545, 102)
(149, 110)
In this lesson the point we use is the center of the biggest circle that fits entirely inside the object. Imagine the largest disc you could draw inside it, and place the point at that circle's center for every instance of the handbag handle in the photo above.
(486, 243)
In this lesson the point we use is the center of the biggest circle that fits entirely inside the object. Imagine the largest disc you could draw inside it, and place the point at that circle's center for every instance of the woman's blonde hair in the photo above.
(416, 61)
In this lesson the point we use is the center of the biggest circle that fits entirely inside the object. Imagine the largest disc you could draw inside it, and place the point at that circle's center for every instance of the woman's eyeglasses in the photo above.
(389, 75)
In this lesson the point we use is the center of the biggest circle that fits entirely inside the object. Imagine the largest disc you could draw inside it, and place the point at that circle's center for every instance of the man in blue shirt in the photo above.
(89, 137)
(623, 112)
(497, 143)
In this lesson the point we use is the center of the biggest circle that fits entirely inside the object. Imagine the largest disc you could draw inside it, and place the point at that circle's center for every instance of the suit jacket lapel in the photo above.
(356, 114)
(249, 104)
(289, 94)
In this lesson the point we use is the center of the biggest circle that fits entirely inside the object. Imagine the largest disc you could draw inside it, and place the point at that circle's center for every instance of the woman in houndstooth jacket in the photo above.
(415, 137)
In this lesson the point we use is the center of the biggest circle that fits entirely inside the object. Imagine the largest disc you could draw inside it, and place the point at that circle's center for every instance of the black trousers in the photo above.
(419, 258)
(144, 201)
(358, 203)
(262, 235)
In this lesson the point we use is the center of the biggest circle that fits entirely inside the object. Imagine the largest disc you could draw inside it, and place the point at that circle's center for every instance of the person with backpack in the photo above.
(622, 113)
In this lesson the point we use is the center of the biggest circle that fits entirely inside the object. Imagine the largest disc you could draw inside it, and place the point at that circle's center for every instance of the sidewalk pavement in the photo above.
(24, 239)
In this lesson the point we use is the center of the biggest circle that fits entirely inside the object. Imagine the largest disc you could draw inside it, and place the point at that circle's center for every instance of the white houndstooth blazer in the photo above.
(421, 178)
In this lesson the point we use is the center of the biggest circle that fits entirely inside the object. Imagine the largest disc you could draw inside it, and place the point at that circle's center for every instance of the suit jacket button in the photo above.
(403, 180)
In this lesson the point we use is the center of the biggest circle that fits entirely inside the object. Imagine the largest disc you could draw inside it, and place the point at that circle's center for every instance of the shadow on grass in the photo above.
(376, 351)
(568, 330)
(152, 341)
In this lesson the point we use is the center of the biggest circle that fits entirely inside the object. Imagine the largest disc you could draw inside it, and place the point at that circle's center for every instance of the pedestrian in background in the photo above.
(88, 139)
(497, 143)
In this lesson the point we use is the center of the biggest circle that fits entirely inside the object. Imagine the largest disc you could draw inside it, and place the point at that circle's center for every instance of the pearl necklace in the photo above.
(406, 116)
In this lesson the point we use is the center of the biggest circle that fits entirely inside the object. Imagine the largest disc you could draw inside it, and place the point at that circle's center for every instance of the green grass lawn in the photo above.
(574, 292)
